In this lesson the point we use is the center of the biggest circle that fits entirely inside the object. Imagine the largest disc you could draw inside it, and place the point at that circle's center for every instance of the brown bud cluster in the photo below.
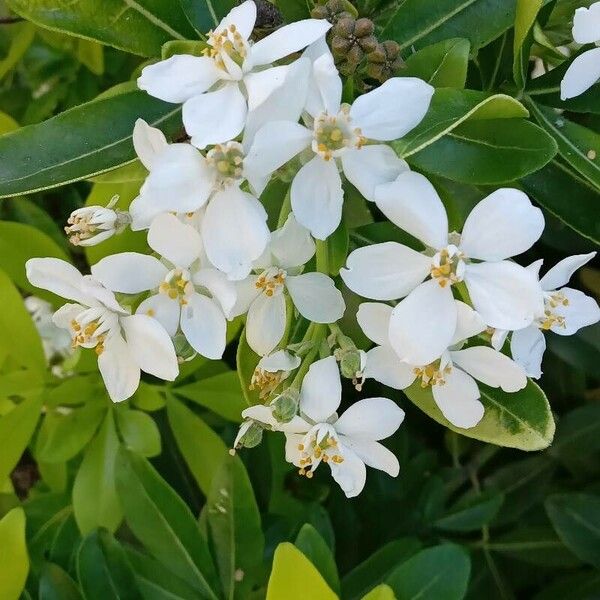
(384, 61)
(352, 40)
(333, 11)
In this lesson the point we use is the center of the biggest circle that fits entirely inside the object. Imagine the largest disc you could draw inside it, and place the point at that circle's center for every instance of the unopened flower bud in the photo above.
(91, 225)
(285, 406)
(334, 10)
(350, 363)
(249, 435)
(384, 61)
(183, 349)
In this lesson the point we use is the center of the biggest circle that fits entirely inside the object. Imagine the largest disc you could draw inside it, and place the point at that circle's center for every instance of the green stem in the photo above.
(317, 335)
(285, 210)
(322, 256)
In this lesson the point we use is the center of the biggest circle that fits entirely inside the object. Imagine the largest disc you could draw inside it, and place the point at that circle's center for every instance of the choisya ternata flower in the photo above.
(91, 225)
(272, 370)
(125, 344)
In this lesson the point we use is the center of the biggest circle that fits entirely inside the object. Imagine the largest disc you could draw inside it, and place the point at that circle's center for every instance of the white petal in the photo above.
(59, 277)
(412, 204)
(502, 225)
(178, 78)
(325, 86)
(279, 361)
(581, 311)
(374, 455)
(581, 75)
(374, 320)
(162, 308)
(351, 474)
(292, 454)
(220, 288)
(65, 314)
(119, 370)
(506, 295)
(261, 84)
(246, 292)
(287, 40)
(235, 232)
(204, 326)
(468, 323)
(371, 166)
(321, 391)
(215, 117)
(458, 399)
(150, 346)
(261, 413)
(316, 297)
(586, 24)
(96, 290)
(291, 245)
(317, 197)
(148, 142)
(384, 366)
(386, 271)
(265, 324)
(179, 243)
(498, 338)
(393, 109)
(562, 271)
(275, 143)
(242, 17)
(129, 272)
(370, 419)
(527, 347)
(423, 324)
(491, 367)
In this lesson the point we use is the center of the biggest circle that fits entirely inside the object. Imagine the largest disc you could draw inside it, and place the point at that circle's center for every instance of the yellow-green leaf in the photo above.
(14, 561)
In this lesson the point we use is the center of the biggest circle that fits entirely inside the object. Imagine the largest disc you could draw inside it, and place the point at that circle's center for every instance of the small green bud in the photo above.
(350, 363)
(285, 406)
(183, 350)
(252, 437)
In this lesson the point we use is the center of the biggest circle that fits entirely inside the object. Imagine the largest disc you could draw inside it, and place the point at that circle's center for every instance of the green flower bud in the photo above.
(285, 406)
(250, 436)
(184, 351)
(350, 363)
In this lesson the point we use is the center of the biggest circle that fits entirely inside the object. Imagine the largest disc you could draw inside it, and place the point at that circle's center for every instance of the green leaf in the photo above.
(82, 142)
(148, 398)
(555, 182)
(526, 14)
(7, 123)
(193, 48)
(22, 36)
(234, 527)
(471, 513)
(221, 393)
(434, 573)
(16, 429)
(579, 586)
(520, 420)
(488, 152)
(294, 577)
(137, 26)
(103, 569)
(246, 361)
(205, 15)
(381, 592)
(442, 65)
(139, 432)
(450, 108)
(163, 523)
(202, 449)
(95, 501)
(421, 22)
(314, 547)
(577, 145)
(14, 562)
(576, 519)
(56, 584)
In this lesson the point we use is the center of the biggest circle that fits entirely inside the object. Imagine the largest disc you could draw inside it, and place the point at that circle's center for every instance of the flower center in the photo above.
(271, 281)
(228, 160)
(90, 328)
(334, 134)
(177, 286)
(551, 317)
(319, 444)
(265, 381)
(434, 373)
(448, 266)
(225, 46)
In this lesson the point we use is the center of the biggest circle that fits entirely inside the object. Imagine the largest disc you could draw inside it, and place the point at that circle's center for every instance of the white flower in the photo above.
(347, 443)
(565, 312)
(584, 71)
(90, 225)
(55, 341)
(272, 370)
(452, 375)
(125, 344)
(182, 180)
(503, 224)
(232, 79)
(262, 295)
(184, 294)
(339, 132)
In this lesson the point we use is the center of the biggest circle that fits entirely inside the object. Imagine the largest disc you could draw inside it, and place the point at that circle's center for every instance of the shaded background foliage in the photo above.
(142, 500)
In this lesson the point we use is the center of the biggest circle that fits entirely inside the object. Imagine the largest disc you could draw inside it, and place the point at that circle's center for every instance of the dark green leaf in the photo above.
(580, 586)
(471, 513)
(205, 15)
(56, 584)
(314, 547)
(526, 14)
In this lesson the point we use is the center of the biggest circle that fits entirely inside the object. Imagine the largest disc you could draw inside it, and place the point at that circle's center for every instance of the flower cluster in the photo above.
(442, 312)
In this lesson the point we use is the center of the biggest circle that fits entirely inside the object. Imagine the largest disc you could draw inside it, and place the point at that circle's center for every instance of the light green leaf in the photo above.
(56, 584)
(137, 26)
(14, 562)
(190, 47)
(95, 501)
(139, 432)
(294, 577)
(205, 15)
(80, 143)
(314, 547)
(7, 123)
(520, 420)
(526, 14)
(381, 592)
(576, 519)
(441, 65)
(247, 361)
(202, 449)
(148, 398)
(22, 36)
(163, 523)
(91, 54)
(471, 513)
(434, 573)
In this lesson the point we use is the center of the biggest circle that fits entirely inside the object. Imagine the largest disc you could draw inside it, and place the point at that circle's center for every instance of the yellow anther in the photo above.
(309, 475)
(301, 447)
